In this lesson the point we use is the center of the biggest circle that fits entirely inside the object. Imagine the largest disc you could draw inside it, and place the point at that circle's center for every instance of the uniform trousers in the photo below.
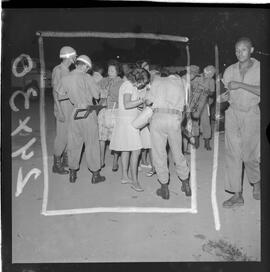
(84, 131)
(61, 138)
(167, 127)
(242, 142)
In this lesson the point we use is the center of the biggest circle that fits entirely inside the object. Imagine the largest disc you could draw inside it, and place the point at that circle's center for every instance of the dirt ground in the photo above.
(123, 237)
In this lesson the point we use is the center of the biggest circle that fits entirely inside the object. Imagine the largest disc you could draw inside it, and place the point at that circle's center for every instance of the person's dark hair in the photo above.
(245, 39)
(117, 66)
(98, 68)
(139, 76)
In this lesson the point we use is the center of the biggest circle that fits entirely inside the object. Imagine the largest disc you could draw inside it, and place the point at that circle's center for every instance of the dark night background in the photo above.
(203, 25)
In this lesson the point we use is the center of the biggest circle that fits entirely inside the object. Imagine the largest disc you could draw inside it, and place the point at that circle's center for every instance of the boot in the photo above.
(207, 144)
(197, 142)
(96, 177)
(186, 187)
(163, 191)
(65, 159)
(72, 175)
(58, 167)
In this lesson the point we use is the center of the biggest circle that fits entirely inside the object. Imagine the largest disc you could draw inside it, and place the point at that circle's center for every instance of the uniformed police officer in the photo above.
(81, 88)
(62, 114)
(168, 97)
(203, 88)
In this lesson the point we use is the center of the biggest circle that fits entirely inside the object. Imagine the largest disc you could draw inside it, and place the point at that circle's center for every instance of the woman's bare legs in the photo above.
(134, 170)
(124, 161)
(115, 161)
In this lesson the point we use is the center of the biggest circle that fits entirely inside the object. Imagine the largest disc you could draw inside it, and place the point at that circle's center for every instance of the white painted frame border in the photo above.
(44, 211)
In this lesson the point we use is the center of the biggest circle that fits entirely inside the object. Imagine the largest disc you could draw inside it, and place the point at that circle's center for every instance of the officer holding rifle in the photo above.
(81, 88)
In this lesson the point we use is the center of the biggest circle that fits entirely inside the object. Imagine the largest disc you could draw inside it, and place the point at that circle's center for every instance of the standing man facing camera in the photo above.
(62, 113)
(242, 123)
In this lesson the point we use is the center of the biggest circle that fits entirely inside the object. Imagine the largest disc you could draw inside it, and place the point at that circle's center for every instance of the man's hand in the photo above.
(233, 85)
(223, 97)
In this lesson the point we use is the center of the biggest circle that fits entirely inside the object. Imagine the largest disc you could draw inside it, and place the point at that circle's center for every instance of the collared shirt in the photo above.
(80, 88)
(168, 93)
(242, 98)
(58, 72)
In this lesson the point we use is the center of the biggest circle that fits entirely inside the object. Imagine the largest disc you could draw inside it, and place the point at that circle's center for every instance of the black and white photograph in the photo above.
(135, 133)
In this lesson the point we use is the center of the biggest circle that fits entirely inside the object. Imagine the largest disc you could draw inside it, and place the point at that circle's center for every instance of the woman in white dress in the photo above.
(125, 137)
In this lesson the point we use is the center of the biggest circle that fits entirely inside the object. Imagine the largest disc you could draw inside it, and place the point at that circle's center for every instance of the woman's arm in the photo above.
(130, 104)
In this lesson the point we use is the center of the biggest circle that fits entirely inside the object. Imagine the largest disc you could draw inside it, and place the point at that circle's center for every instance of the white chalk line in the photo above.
(214, 181)
(118, 210)
(216, 149)
(45, 212)
(43, 128)
(193, 179)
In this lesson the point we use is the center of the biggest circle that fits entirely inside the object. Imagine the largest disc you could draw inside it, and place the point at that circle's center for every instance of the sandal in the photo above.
(137, 187)
(151, 173)
(126, 181)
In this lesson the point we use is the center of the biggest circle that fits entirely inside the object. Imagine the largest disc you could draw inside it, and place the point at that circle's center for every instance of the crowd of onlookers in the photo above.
(146, 111)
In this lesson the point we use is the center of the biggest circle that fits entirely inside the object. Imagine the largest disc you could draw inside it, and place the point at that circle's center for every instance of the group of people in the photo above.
(121, 99)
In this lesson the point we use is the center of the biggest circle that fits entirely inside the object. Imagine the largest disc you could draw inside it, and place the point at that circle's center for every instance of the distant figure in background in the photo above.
(242, 123)
(203, 87)
(62, 113)
(81, 88)
(194, 72)
(167, 96)
(110, 92)
(125, 138)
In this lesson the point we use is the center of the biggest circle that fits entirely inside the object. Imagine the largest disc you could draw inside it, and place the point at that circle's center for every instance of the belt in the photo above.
(170, 111)
(242, 108)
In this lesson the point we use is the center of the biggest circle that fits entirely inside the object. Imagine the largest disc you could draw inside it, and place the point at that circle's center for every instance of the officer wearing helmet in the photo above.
(62, 113)
(81, 88)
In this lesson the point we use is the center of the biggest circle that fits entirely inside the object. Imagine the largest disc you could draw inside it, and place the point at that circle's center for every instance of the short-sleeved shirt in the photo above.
(80, 88)
(168, 93)
(59, 72)
(240, 97)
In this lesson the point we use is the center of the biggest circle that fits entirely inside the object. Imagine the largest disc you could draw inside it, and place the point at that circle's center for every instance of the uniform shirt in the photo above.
(58, 72)
(167, 92)
(79, 87)
(240, 97)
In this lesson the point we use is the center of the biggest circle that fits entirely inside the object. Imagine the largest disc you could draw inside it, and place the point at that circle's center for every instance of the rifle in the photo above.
(83, 113)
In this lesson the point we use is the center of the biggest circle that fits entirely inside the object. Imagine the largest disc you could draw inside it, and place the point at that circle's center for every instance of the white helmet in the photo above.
(85, 59)
(67, 52)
